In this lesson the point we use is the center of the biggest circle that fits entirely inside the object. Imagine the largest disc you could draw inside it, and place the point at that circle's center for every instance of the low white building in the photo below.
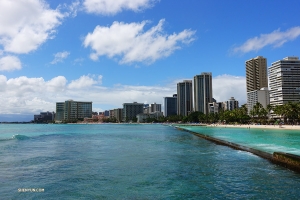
(213, 107)
(262, 96)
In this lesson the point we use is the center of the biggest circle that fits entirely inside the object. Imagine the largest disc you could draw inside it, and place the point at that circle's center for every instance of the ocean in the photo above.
(129, 161)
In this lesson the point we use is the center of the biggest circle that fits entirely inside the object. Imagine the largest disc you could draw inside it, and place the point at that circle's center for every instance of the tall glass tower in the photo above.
(184, 97)
(202, 92)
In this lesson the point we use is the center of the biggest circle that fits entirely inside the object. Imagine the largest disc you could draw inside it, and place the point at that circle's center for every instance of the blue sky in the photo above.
(114, 52)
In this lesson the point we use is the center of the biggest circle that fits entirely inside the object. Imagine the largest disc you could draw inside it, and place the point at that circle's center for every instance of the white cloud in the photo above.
(132, 44)
(72, 8)
(111, 7)
(26, 24)
(226, 86)
(10, 63)
(276, 39)
(32, 95)
(78, 61)
(60, 56)
(84, 82)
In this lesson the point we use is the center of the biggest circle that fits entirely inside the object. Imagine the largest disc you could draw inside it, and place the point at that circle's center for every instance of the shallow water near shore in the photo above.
(267, 140)
(109, 161)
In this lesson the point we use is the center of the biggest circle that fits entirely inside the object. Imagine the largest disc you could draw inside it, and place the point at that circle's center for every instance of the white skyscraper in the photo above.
(285, 81)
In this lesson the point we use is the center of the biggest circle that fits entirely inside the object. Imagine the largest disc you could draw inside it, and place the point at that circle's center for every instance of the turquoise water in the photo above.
(132, 162)
(267, 140)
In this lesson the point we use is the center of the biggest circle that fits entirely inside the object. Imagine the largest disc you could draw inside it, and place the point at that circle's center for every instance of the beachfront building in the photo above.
(170, 105)
(44, 117)
(130, 110)
(146, 108)
(202, 92)
(73, 110)
(256, 79)
(256, 73)
(111, 113)
(60, 109)
(213, 107)
(118, 114)
(231, 104)
(106, 113)
(284, 78)
(221, 106)
(155, 107)
(142, 117)
(262, 96)
(184, 98)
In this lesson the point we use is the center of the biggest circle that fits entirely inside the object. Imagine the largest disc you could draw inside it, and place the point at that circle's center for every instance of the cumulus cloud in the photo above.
(226, 86)
(84, 82)
(60, 56)
(32, 95)
(112, 7)
(10, 63)
(26, 24)
(277, 38)
(132, 44)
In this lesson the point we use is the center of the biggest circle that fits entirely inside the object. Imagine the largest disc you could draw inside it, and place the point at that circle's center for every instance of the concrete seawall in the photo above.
(287, 160)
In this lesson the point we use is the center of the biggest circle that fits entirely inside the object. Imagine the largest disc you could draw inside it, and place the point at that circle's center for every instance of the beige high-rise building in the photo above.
(71, 110)
(256, 73)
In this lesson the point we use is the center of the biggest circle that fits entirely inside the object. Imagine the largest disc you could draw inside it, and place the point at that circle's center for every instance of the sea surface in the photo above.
(126, 161)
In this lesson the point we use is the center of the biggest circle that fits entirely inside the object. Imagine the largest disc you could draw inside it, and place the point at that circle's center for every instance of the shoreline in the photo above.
(287, 160)
(275, 127)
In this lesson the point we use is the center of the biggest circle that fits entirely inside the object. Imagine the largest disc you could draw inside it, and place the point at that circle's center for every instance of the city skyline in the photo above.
(133, 50)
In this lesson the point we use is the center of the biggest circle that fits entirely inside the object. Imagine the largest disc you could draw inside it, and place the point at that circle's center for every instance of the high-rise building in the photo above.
(60, 109)
(256, 79)
(106, 113)
(170, 105)
(111, 113)
(184, 97)
(44, 117)
(70, 110)
(256, 73)
(202, 92)
(154, 107)
(231, 104)
(118, 114)
(130, 110)
(146, 108)
(285, 81)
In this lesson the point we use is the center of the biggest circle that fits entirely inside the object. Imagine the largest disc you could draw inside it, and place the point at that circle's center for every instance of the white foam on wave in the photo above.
(278, 148)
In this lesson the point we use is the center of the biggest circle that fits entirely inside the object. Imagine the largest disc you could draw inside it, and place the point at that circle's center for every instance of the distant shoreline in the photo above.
(277, 127)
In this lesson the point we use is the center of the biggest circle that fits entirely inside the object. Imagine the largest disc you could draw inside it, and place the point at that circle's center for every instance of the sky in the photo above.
(123, 51)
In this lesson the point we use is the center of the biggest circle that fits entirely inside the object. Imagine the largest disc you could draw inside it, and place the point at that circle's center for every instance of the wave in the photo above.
(20, 137)
(16, 137)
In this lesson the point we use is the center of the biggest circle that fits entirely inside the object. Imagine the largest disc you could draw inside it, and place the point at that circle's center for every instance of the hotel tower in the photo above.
(257, 82)
(202, 92)
(184, 97)
(285, 81)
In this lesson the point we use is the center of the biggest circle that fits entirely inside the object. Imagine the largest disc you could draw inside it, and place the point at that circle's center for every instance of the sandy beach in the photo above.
(283, 127)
